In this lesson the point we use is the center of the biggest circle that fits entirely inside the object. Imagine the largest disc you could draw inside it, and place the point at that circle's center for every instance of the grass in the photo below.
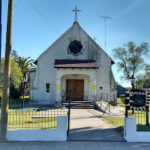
(118, 123)
(120, 102)
(18, 100)
(27, 121)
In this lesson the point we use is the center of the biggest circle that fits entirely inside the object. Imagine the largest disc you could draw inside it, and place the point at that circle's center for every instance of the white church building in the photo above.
(75, 67)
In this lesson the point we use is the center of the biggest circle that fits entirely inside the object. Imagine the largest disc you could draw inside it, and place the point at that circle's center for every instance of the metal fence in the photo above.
(141, 119)
(34, 118)
(104, 102)
(106, 97)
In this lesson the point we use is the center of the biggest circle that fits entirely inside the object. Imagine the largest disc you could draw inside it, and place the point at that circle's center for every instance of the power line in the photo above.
(45, 19)
(18, 3)
(41, 15)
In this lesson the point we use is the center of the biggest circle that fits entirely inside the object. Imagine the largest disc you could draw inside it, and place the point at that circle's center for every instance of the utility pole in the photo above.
(6, 83)
(0, 35)
(105, 20)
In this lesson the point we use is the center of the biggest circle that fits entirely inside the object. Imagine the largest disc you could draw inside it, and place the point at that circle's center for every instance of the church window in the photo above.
(75, 47)
(47, 87)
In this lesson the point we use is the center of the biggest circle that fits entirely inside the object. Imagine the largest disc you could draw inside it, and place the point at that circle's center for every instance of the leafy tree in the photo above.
(143, 81)
(130, 59)
(147, 70)
(139, 82)
(14, 54)
(25, 64)
(15, 78)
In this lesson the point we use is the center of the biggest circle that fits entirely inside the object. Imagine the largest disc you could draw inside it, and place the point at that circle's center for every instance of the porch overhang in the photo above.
(76, 64)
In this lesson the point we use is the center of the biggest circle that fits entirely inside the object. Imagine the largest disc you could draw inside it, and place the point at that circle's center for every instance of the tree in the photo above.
(130, 59)
(14, 54)
(139, 82)
(143, 81)
(15, 77)
(147, 70)
(25, 64)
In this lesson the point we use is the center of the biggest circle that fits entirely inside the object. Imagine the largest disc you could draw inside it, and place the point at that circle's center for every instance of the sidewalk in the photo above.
(74, 146)
(87, 125)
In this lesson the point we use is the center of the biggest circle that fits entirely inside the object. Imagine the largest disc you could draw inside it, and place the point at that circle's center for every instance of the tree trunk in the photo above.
(6, 83)
(132, 84)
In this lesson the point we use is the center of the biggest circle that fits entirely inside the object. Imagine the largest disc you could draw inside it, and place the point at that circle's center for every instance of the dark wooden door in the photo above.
(76, 87)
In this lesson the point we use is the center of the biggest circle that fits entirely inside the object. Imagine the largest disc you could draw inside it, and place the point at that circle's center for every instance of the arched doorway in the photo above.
(75, 89)
(75, 86)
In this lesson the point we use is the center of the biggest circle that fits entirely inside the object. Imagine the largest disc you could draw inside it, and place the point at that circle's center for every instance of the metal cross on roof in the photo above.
(76, 10)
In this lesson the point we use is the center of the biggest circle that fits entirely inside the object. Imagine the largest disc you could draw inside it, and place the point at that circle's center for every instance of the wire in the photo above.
(18, 3)
(47, 21)
(41, 15)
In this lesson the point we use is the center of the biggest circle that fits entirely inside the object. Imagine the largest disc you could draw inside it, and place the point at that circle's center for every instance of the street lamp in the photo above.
(133, 87)
(25, 79)
(133, 82)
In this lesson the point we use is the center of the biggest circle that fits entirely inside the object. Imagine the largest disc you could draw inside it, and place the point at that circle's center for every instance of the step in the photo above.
(79, 105)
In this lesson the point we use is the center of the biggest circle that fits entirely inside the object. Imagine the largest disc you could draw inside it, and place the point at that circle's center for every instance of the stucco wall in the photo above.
(46, 73)
(132, 135)
(59, 134)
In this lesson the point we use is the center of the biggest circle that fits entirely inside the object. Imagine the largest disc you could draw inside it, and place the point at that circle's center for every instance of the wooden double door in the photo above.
(75, 89)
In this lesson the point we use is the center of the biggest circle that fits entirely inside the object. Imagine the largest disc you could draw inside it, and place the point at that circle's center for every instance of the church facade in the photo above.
(75, 67)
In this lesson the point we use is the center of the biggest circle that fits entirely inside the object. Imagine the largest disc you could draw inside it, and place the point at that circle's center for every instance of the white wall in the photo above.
(88, 74)
(46, 73)
(130, 133)
(59, 134)
(32, 77)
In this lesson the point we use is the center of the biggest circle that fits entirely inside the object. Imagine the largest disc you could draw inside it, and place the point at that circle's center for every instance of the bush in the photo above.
(14, 92)
(122, 97)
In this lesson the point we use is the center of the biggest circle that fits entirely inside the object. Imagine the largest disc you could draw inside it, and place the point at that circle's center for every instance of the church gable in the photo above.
(75, 43)
(74, 59)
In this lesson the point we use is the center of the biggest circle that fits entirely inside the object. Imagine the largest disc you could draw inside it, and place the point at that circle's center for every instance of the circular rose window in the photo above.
(75, 47)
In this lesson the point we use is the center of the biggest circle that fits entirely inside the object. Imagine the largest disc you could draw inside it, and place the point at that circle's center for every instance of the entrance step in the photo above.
(80, 105)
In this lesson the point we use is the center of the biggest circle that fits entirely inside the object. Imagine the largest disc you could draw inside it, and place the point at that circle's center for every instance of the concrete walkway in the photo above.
(74, 146)
(87, 125)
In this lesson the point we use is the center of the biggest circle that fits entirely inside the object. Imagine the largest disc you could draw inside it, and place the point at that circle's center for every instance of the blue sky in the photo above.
(38, 23)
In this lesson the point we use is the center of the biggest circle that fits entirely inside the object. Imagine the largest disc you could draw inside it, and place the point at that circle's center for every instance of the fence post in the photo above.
(147, 116)
(69, 107)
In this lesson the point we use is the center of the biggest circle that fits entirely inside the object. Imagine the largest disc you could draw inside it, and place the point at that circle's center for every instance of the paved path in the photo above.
(87, 125)
(74, 146)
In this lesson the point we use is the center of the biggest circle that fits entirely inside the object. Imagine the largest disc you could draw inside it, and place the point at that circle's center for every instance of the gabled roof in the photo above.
(74, 25)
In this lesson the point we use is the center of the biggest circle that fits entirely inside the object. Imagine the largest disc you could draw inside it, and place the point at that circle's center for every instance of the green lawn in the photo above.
(118, 124)
(27, 121)
(18, 100)
(120, 102)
